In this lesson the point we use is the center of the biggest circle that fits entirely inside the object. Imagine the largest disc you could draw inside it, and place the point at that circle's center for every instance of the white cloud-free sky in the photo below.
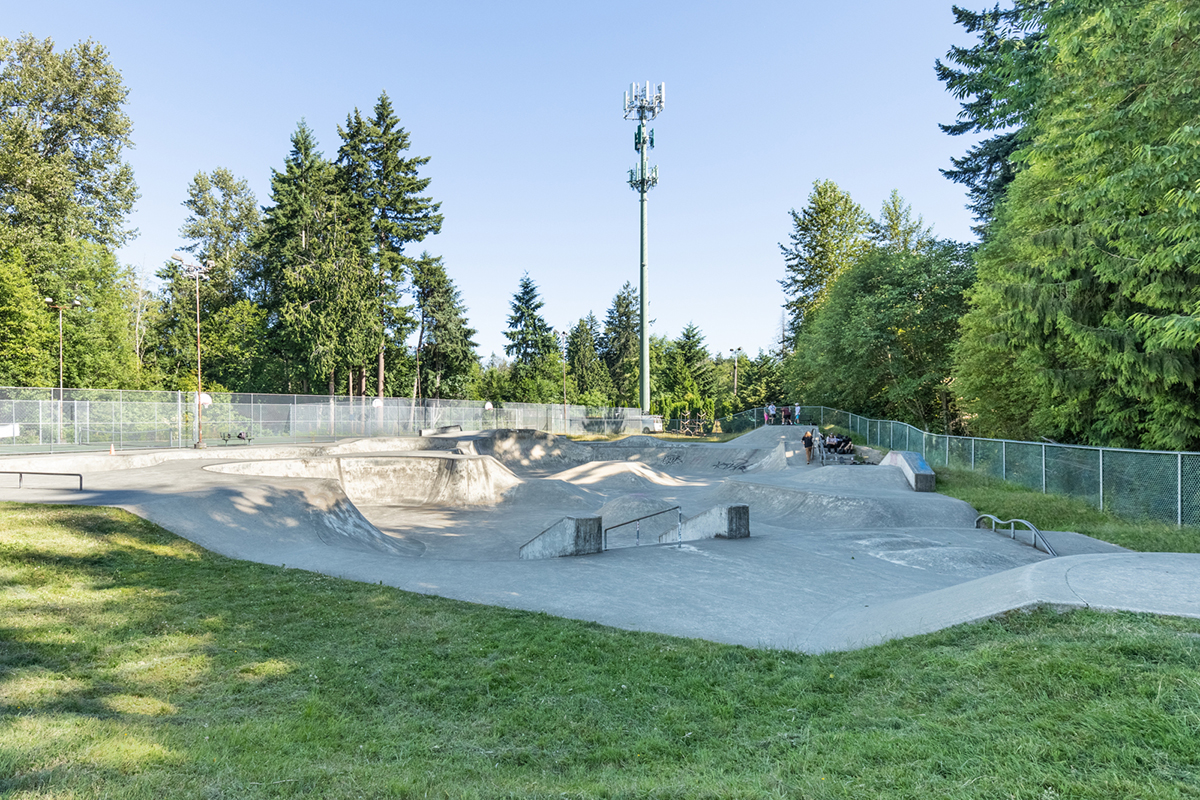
(519, 107)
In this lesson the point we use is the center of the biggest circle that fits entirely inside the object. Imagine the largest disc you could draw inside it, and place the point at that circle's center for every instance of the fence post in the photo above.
(1004, 461)
(947, 450)
(179, 418)
(972, 454)
(1101, 478)
(1043, 469)
(1179, 489)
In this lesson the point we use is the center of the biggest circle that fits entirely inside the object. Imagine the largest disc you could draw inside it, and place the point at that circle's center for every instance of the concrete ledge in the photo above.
(719, 522)
(570, 536)
(919, 474)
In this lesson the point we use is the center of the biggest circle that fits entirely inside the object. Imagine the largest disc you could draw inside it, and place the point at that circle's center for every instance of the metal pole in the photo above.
(1004, 460)
(1043, 469)
(644, 362)
(1101, 479)
(1179, 489)
(60, 375)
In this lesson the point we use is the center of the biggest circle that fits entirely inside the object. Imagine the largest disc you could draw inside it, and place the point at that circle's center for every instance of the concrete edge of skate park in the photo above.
(1147, 583)
(580, 536)
(919, 474)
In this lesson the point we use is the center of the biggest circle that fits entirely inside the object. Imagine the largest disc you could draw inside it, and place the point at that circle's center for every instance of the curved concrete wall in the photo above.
(412, 479)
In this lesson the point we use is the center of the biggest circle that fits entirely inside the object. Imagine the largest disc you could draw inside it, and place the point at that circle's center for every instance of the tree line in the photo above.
(317, 290)
(1076, 318)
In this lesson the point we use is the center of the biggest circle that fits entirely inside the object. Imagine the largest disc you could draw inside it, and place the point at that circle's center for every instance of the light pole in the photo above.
(196, 270)
(736, 352)
(643, 104)
(76, 303)
(562, 343)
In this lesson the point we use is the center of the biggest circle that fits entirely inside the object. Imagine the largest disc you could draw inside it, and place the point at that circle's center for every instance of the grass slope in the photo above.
(133, 664)
(1053, 512)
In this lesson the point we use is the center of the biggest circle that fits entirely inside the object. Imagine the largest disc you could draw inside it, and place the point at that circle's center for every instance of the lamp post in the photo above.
(196, 270)
(76, 303)
(736, 352)
(562, 343)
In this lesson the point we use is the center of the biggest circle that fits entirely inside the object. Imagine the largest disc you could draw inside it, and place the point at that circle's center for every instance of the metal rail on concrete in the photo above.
(638, 530)
(1036, 535)
(22, 473)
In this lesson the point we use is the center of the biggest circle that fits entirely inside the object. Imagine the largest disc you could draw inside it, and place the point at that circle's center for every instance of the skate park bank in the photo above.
(836, 557)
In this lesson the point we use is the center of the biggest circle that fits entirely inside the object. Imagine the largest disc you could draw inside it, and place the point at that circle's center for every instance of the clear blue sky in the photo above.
(519, 107)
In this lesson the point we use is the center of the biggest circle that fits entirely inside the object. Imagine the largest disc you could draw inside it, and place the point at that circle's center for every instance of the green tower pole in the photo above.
(643, 318)
(643, 104)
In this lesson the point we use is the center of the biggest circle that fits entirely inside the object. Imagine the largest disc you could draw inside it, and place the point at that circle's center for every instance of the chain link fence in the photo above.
(1135, 484)
(40, 421)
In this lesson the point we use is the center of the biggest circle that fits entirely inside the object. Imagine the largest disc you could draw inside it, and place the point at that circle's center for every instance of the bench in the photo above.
(240, 436)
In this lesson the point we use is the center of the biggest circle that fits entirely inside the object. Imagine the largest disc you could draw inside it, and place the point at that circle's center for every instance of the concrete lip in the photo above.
(837, 557)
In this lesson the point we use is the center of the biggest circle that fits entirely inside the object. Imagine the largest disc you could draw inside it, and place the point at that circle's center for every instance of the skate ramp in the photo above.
(411, 479)
(526, 448)
(837, 508)
(597, 472)
(695, 459)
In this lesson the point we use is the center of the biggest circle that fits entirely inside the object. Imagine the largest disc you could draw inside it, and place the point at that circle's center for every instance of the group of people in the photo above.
(787, 414)
(833, 443)
(839, 444)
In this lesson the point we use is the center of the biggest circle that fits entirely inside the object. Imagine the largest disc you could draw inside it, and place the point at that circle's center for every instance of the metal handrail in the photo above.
(23, 472)
(1011, 523)
(638, 520)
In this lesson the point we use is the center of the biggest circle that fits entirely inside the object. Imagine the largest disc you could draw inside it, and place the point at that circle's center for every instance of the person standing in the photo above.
(808, 444)
(786, 413)
(770, 413)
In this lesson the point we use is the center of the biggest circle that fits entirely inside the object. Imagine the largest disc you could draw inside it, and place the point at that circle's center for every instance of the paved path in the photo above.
(839, 557)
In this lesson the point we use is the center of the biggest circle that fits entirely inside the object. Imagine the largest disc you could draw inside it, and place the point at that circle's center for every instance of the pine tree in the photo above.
(386, 193)
(896, 231)
(532, 347)
(620, 345)
(593, 385)
(828, 234)
(323, 296)
(998, 81)
(1088, 271)
(445, 351)
(696, 359)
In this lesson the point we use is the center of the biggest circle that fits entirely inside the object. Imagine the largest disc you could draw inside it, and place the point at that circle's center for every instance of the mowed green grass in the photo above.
(1052, 512)
(133, 664)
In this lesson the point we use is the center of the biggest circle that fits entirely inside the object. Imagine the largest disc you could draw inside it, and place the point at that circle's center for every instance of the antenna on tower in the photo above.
(643, 103)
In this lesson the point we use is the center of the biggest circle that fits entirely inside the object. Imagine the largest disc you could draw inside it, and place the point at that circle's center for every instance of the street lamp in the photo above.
(562, 343)
(736, 352)
(76, 303)
(196, 270)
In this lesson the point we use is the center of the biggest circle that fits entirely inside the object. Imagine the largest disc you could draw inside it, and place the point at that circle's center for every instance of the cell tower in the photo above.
(643, 104)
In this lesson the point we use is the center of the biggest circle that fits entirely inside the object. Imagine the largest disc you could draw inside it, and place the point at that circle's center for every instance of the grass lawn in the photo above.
(1053, 512)
(134, 664)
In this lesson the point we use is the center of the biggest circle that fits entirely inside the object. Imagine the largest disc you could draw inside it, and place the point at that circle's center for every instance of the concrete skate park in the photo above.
(837, 556)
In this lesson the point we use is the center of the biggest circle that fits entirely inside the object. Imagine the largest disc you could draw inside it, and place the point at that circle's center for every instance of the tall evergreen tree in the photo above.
(620, 346)
(445, 351)
(696, 359)
(321, 292)
(532, 346)
(387, 196)
(828, 234)
(593, 385)
(896, 231)
(1088, 272)
(998, 81)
